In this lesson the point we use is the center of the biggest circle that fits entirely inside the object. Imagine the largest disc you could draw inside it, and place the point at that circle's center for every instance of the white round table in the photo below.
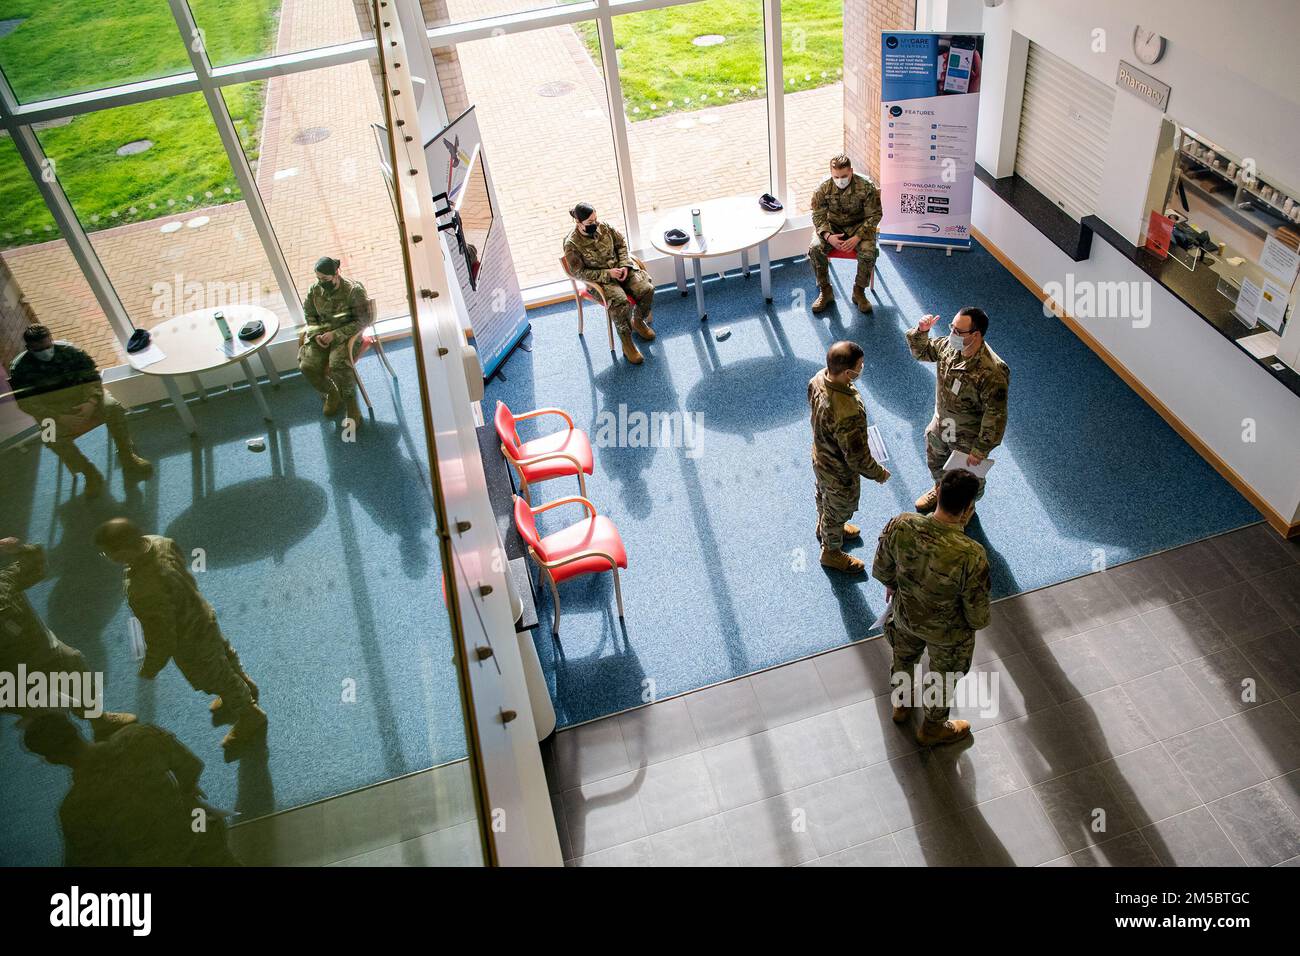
(191, 344)
(730, 225)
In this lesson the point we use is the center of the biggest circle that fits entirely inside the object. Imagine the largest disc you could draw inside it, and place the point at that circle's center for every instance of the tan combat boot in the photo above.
(137, 467)
(629, 348)
(839, 561)
(250, 726)
(331, 406)
(825, 298)
(860, 299)
(640, 328)
(354, 412)
(901, 714)
(107, 724)
(850, 531)
(219, 715)
(928, 501)
(949, 732)
(94, 481)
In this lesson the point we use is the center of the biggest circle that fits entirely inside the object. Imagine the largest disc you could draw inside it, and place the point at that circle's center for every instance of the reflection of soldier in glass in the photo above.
(26, 641)
(180, 625)
(58, 382)
(135, 799)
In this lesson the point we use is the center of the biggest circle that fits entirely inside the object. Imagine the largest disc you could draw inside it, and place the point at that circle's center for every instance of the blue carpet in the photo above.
(723, 576)
(322, 566)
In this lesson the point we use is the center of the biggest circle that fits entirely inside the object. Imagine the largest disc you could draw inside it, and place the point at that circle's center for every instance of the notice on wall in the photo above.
(929, 107)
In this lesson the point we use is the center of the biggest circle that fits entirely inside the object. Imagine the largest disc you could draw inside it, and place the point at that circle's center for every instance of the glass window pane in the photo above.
(233, 31)
(317, 168)
(694, 96)
(812, 48)
(463, 11)
(52, 48)
(152, 187)
(549, 107)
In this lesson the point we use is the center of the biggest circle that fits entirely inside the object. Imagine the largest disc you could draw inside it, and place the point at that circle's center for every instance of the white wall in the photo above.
(1231, 70)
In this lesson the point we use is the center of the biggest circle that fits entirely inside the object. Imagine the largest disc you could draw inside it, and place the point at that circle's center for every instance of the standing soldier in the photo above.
(25, 640)
(596, 252)
(970, 398)
(937, 582)
(335, 310)
(179, 624)
(846, 212)
(58, 382)
(840, 452)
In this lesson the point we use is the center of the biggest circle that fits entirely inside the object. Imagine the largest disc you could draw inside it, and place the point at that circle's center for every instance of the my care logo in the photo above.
(75, 909)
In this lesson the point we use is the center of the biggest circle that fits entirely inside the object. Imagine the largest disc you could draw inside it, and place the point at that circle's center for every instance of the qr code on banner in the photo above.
(913, 202)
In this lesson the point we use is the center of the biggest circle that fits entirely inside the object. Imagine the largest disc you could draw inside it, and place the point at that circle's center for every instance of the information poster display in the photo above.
(929, 107)
(475, 246)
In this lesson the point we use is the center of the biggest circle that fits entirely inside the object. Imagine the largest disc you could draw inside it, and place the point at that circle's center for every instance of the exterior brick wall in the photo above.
(445, 60)
(863, 22)
(15, 315)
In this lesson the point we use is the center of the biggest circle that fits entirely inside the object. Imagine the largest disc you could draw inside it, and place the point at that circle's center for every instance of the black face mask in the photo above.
(591, 229)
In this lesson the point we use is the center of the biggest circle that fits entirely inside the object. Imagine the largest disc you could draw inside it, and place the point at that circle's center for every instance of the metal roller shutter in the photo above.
(1064, 127)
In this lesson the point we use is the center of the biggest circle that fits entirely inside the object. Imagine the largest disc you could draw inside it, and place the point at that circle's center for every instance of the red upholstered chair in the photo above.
(845, 254)
(557, 455)
(589, 291)
(589, 547)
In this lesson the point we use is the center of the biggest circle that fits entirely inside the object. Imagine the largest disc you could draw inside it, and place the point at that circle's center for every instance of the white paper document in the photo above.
(1247, 303)
(1281, 260)
(876, 442)
(1262, 346)
(885, 615)
(147, 357)
(958, 460)
(1272, 305)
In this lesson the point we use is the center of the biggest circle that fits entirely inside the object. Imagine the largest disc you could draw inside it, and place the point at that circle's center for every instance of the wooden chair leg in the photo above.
(618, 594)
(523, 489)
(578, 299)
(582, 484)
(361, 386)
(555, 596)
(383, 356)
(609, 327)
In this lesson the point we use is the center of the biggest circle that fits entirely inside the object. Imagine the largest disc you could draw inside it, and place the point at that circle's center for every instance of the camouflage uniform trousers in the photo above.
(937, 451)
(320, 366)
(212, 667)
(112, 414)
(637, 285)
(817, 255)
(61, 659)
(945, 659)
(837, 500)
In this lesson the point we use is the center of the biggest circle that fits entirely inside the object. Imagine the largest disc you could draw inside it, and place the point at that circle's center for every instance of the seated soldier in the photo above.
(596, 252)
(846, 212)
(58, 385)
(335, 309)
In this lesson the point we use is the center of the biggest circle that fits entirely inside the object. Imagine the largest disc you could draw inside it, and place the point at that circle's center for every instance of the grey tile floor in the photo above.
(1148, 715)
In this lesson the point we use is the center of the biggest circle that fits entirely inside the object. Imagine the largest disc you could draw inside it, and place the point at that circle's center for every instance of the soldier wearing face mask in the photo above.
(56, 382)
(596, 252)
(335, 310)
(846, 213)
(970, 404)
(841, 455)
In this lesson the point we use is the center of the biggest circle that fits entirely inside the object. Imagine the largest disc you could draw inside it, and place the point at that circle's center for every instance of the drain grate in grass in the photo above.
(312, 134)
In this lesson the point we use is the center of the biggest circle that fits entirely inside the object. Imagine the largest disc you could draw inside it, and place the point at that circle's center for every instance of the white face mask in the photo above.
(45, 354)
(956, 341)
(842, 182)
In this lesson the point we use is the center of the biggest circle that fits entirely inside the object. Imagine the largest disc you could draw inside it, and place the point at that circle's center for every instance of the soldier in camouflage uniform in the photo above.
(335, 310)
(180, 625)
(846, 212)
(26, 641)
(133, 798)
(970, 399)
(937, 581)
(840, 453)
(596, 252)
(58, 381)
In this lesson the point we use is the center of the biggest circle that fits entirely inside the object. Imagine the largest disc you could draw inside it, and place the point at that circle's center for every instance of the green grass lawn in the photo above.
(70, 46)
(663, 71)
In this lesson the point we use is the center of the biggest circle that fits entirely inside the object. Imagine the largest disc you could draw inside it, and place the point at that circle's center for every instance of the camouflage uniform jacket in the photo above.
(24, 638)
(343, 310)
(978, 407)
(854, 210)
(940, 578)
(54, 388)
(165, 598)
(591, 257)
(839, 427)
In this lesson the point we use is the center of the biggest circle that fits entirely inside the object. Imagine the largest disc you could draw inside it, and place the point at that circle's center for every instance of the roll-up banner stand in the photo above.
(929, 107)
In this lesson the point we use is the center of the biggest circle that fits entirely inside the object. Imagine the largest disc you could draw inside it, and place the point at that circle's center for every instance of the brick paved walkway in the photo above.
(328, 197)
